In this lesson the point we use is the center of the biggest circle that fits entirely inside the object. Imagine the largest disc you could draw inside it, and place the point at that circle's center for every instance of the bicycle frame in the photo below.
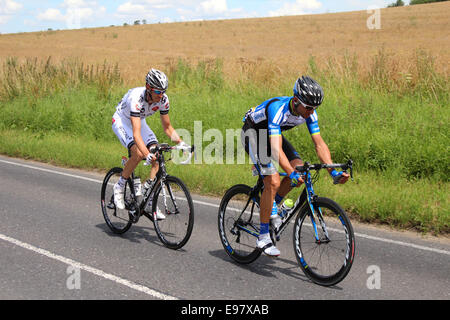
(255, 192)
(160, 178)
(307, 197)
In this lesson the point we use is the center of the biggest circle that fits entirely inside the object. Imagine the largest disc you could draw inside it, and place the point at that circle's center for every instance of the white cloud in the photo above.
(175, 10)
(212, 7)
(296, 8)
(51, 15)
(76, 12)
(7, 9)
(135, 9)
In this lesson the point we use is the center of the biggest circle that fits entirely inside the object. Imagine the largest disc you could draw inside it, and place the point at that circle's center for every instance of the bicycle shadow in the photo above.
(136, 234)
(264, 266)
(269, 267)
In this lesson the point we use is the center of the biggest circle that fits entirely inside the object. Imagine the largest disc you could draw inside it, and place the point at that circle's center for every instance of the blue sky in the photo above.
(36, 15)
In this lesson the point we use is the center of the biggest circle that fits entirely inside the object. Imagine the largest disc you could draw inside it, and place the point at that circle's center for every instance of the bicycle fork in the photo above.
(169, 189)
(311, 197)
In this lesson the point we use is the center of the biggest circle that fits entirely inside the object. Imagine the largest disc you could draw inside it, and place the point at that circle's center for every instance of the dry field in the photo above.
(283, 44)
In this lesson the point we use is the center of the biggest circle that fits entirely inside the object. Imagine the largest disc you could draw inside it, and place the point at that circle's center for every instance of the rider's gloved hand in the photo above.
(336, 175)
(150, 157)
(182, 145)
(296, 179)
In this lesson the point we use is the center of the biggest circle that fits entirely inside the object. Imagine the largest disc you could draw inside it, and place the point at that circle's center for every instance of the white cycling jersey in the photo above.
(134, 104)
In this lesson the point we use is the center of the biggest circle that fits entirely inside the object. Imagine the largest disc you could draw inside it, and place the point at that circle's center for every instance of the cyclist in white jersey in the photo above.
(263, 140)
(129, 125)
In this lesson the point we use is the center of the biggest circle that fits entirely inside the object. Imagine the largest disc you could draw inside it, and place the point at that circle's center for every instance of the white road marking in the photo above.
(89, 269)
(405, 244)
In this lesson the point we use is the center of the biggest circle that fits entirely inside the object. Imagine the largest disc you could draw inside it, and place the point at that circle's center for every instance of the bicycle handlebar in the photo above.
(164, 147)
(317, 166)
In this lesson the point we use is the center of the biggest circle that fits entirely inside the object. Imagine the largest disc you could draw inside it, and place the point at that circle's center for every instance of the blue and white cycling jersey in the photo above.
(274, 114)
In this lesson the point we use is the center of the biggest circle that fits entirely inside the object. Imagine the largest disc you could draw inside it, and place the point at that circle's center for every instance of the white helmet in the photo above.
(157, 80)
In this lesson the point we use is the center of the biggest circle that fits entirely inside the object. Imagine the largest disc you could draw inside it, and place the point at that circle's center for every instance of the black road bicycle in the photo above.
(323, 239)
(167, 194)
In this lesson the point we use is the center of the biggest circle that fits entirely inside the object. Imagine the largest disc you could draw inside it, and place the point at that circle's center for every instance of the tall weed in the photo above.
(36, 78)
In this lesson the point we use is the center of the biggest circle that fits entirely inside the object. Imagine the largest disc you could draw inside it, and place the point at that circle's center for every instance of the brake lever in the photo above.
(350, 165)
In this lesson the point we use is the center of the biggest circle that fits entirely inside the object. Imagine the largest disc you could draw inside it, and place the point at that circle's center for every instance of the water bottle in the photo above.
(137, 186)
(287, 205)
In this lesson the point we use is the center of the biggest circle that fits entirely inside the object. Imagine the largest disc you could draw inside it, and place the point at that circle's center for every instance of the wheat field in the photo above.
(281, 45)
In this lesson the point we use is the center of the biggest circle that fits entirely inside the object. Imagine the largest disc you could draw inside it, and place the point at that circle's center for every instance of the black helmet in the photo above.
(308, 91)
(157, 79)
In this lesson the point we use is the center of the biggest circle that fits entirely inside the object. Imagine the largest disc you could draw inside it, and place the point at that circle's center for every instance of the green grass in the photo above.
(394, 128)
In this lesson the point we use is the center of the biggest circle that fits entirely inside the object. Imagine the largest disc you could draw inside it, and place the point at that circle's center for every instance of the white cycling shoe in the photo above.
(119, 197)
(159, 214)
(266, 245)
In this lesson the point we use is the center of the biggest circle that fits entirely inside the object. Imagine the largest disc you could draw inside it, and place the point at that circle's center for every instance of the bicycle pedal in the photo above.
(134, 217)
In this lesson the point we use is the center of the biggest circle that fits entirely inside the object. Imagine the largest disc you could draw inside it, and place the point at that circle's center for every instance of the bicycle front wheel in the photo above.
(173, 199)
(324, 242)
(239, 224)
(117, 220)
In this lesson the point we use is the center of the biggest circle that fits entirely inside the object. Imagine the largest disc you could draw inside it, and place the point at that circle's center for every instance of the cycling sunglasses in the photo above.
(158, 91)
(308, 107)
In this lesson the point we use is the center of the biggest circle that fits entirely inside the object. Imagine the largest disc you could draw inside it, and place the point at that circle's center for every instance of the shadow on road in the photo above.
(269, 267)
(135, 234)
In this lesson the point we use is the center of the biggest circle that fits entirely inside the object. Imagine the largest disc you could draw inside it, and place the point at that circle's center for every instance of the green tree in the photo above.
(398, 3)
(424, 1)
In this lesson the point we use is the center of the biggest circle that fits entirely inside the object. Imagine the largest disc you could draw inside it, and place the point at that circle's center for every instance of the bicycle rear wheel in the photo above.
(117, 220)
(238, 232)
(174, 200)
(328, 259)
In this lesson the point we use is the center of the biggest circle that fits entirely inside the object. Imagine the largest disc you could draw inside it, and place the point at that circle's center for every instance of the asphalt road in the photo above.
(54, 244)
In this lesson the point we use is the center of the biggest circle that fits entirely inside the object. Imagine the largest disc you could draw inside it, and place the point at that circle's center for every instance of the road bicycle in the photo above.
(166, 193)
(323, 238)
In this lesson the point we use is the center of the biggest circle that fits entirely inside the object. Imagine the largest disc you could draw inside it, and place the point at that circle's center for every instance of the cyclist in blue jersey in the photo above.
(264, 142)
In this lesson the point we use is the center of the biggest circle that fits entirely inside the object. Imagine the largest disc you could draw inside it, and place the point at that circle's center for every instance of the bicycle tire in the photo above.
(176, 229)
(118, 221)
(338, 247)
(231, 230)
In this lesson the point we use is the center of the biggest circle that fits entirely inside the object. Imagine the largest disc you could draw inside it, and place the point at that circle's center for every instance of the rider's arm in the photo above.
(168, 129)
(323, 152)
(136, 124)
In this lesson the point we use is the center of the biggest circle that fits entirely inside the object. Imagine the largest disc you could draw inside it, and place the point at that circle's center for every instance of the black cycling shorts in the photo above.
(256, 143)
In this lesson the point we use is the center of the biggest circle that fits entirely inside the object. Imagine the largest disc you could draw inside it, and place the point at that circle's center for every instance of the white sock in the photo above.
(122, 182)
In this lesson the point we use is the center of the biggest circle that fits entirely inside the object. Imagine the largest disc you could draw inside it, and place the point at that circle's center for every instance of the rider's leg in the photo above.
(119, 187)
(271, 185)
(132, 163)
